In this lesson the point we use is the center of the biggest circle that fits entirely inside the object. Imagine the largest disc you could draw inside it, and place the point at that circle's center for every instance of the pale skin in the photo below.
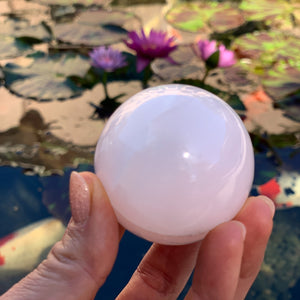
(225, 263)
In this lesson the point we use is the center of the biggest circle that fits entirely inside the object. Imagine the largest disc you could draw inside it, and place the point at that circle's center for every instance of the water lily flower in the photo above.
(156, 45)
(107, 58)
(206, 49)
(226, 57)
(213, 55)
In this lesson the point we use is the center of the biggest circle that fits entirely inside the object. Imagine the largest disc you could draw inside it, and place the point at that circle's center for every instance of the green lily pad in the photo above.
(225, 16)
(280, 82)
(23, 30)
(78, 34)
(94, 28)
(275, 58)
(47, 77)
(187, 64)
(226, 19)
(103, 17)
(70, 2)
(17, 35)
(12, 47)
(275, 13)
(193, 17)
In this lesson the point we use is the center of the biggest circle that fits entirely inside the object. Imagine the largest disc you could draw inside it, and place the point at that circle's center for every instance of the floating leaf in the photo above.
(225, 16)
(268, 48)
(226, 19)
(22, 29)
(187, 64)
(79, 34)
(283, 140)
(276, 13)
(70, 2)
(275, 57)
(47, 77)
(193, 17)
(11, 47)
(239, 80)
(103, 17)
(280, 82)
(94, 28)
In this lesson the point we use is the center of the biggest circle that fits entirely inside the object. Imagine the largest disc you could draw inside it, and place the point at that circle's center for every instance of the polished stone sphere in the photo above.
(175, 161)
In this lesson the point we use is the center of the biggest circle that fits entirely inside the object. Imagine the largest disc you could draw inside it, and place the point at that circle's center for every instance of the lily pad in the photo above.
(187, 65)
(280, 83)
(94, 28)
(17, 36)
(274, 57)
(225, 16)
(12, 47)
(20, 28)
(47, 77)
(226, 19)
(104, 17)
(276, 13)
(70, 2)
(193, 17)
(78, 34)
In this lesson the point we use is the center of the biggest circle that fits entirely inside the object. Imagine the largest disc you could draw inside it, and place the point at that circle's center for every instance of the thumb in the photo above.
(78, 264)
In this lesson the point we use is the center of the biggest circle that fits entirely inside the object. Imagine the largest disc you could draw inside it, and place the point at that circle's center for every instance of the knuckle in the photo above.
(156, 278)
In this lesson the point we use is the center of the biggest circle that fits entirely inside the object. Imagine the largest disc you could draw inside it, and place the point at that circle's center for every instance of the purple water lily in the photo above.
(156, 45)
(107, 59)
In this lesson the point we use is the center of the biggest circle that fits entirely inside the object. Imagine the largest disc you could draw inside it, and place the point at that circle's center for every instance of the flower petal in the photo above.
(226, 58)
(207, 48)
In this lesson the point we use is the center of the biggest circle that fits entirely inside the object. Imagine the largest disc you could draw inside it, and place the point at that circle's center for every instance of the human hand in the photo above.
(225, 263)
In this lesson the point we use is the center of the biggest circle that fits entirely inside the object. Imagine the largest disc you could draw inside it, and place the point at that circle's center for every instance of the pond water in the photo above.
(48, 126)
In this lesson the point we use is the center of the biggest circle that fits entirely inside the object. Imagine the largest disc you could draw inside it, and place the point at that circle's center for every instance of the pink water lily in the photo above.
(226, 57)
(156, 45)
(205, 49)
(107, 58)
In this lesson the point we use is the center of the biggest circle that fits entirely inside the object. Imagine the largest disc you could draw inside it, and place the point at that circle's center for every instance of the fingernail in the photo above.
(243, 229)
(270, 204)
(79, 198)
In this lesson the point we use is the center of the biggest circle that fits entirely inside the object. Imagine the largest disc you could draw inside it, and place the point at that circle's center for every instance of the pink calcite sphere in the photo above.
(175, 161)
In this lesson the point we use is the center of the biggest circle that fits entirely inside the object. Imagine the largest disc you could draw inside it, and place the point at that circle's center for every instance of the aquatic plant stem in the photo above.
(207, 70)
(104, 82)
(146, 77)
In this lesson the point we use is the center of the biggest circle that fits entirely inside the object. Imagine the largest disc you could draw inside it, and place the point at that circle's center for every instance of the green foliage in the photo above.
(219, 17)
